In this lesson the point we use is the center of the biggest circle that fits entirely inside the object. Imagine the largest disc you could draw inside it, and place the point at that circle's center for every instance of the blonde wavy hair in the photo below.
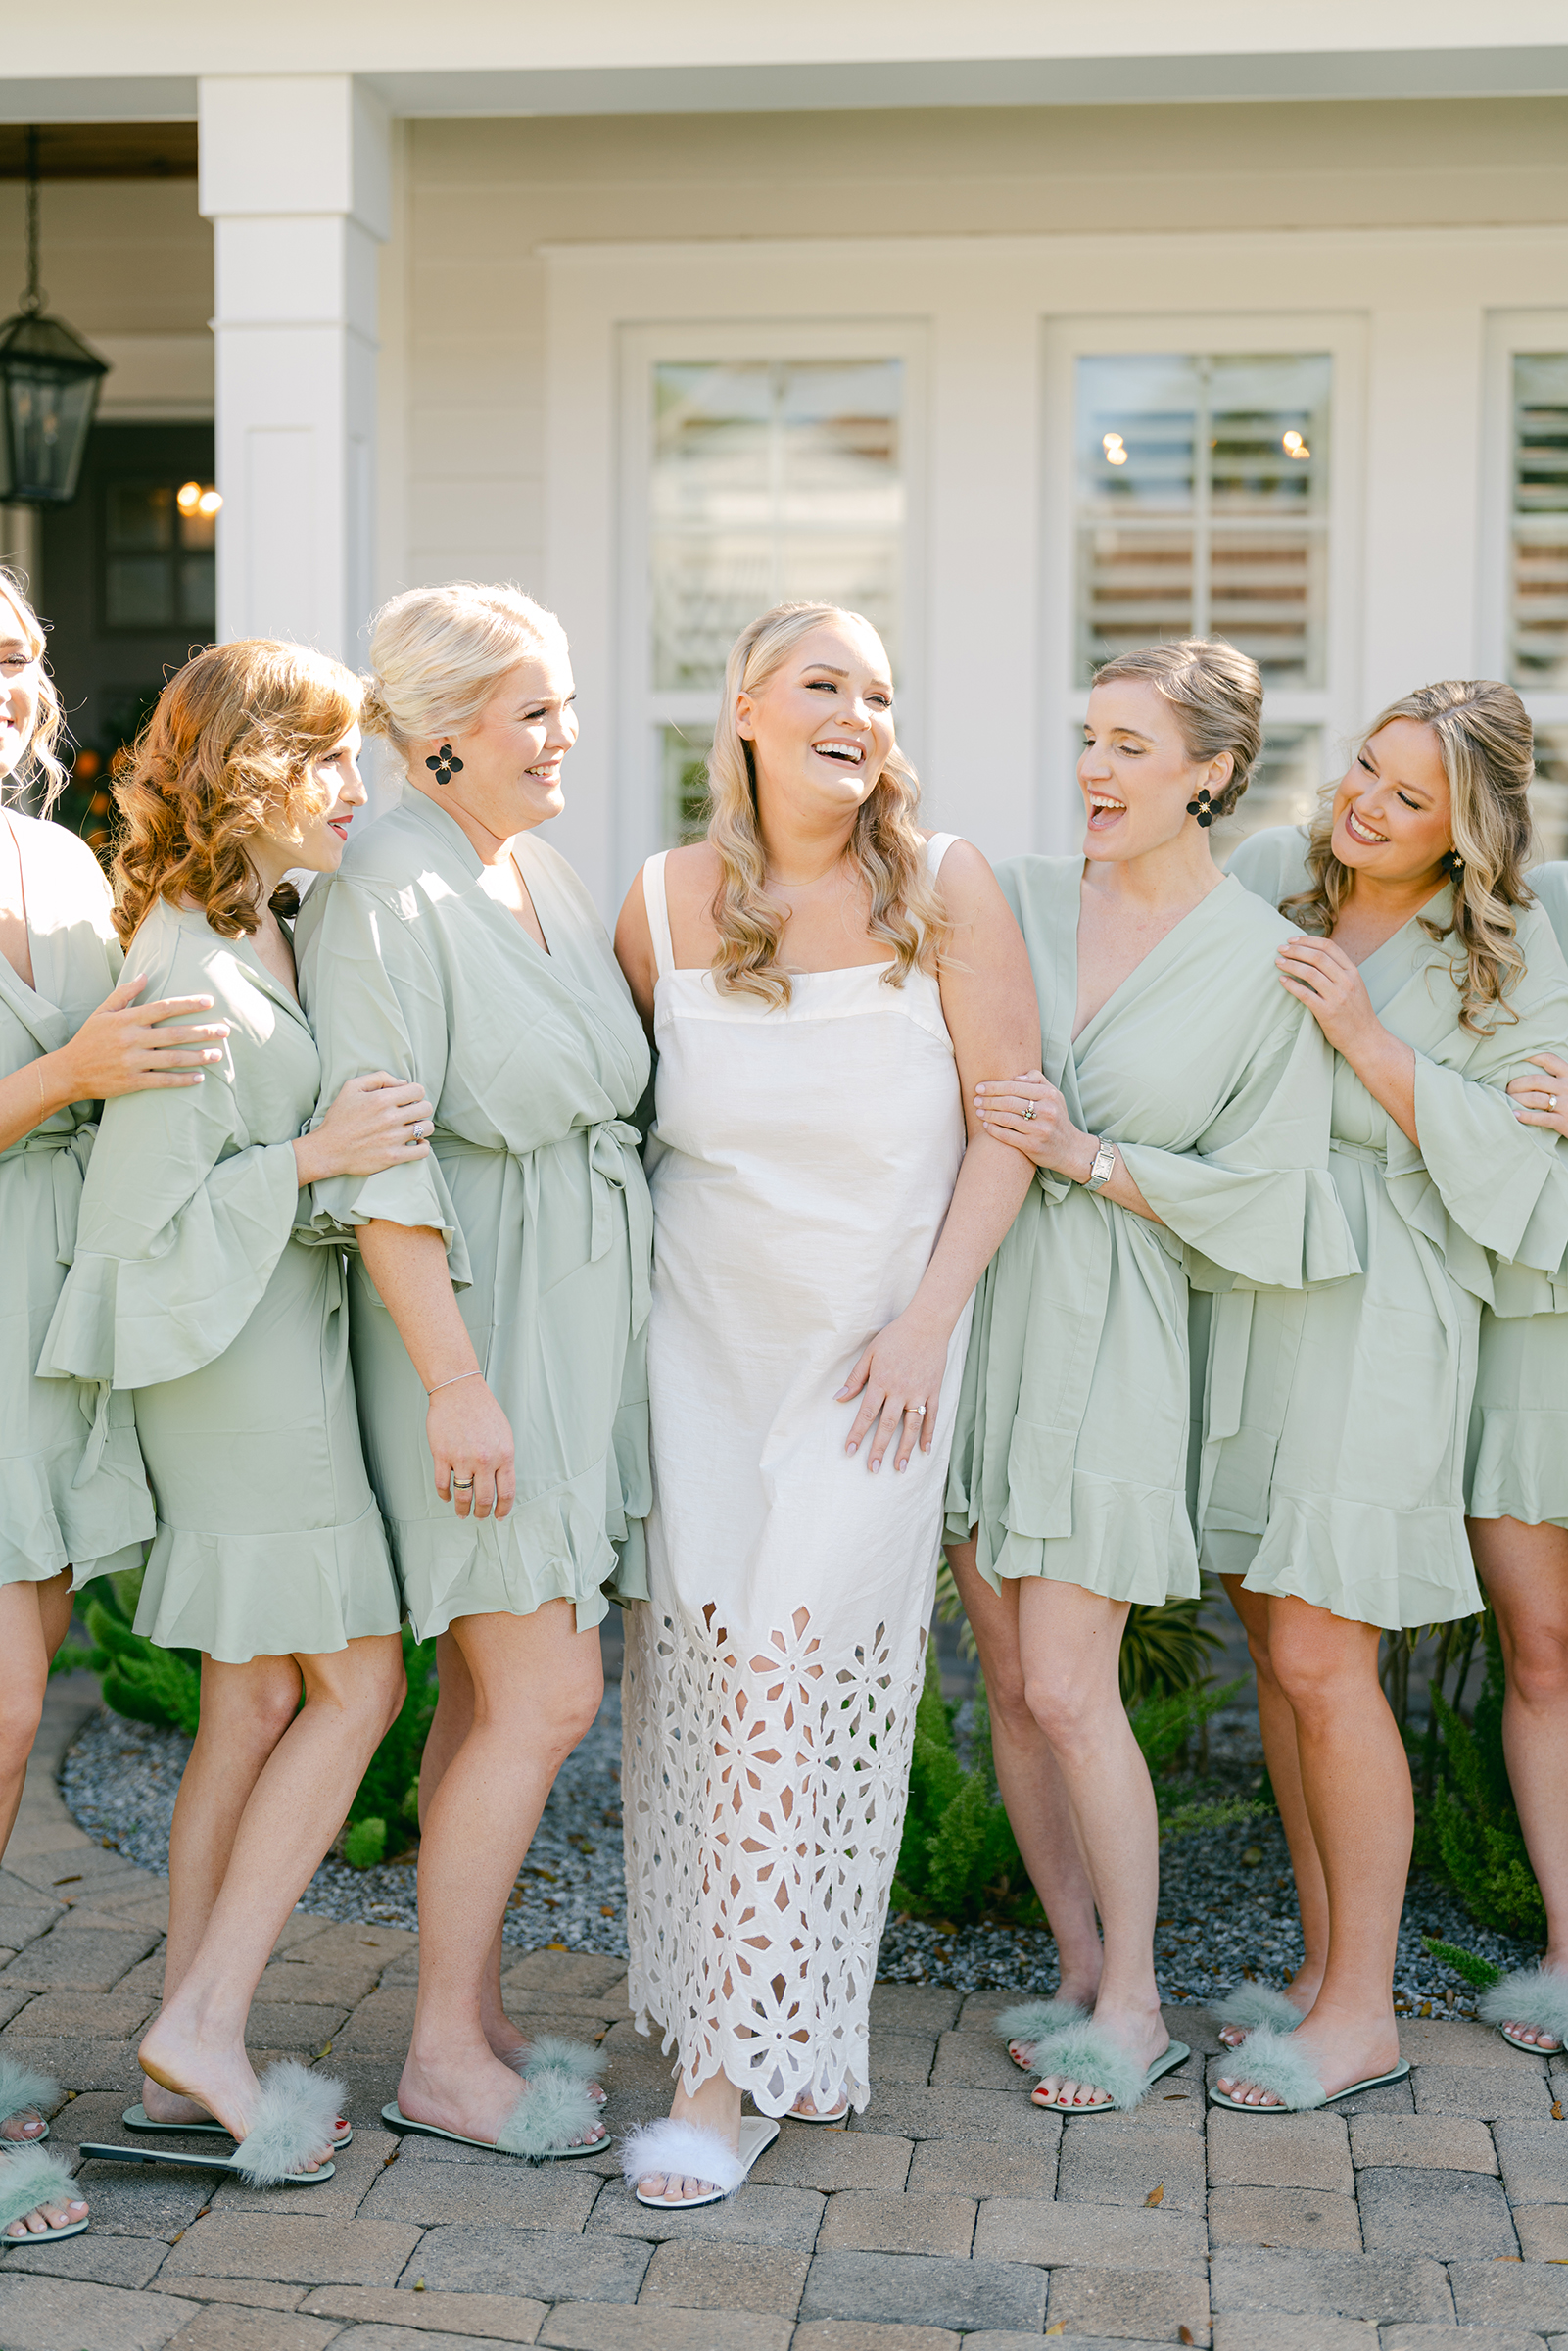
(1487, 748)
(884, 849)
(224, 757)
(40, 758)
(437, 656)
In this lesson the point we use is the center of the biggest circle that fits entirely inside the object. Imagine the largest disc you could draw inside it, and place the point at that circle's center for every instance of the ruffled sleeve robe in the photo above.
(196, 1287)
(1517, 1464)
(1336, 1421)
(534, 1063)
(1071, 1451)
(75, 1492)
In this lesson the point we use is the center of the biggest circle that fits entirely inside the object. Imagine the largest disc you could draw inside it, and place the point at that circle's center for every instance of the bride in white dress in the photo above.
(825, 987)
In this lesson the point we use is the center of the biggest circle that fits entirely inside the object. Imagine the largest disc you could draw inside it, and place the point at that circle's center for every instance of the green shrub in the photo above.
(959, 1860)
(164, 1687)
(1474, 1825)
(1468, 1964)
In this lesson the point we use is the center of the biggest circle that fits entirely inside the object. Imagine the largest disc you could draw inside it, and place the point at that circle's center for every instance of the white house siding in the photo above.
(523, 251)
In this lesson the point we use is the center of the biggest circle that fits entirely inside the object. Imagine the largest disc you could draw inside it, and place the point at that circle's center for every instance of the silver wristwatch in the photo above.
(1104, 1168)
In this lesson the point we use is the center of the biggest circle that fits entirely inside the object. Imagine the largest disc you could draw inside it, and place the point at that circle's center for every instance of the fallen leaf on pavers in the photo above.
(1060, 2327)
(1156, 2195)
(1184, 2335)
(1556, 2110)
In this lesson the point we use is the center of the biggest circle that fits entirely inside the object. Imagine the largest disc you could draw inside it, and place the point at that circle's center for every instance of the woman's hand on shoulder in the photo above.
(1323, 977)
(127, 1048)
(1542, 1101)
(376, 1123)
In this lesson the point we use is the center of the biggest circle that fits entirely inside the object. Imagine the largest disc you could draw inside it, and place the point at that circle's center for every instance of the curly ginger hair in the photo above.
(225, 755)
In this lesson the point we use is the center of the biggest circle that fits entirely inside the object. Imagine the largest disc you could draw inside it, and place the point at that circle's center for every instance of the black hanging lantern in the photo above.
(49, 383)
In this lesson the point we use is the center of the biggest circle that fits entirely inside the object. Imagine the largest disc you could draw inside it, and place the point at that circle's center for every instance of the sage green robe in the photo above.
(1336, 1421)
(1517, 1464)
(196, 1288)
(534, 1063)
(73, 1489)
(1072, 1448)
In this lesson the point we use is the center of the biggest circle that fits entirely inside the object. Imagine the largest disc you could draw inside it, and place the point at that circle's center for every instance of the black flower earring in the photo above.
(444, 764)
(1200, 808)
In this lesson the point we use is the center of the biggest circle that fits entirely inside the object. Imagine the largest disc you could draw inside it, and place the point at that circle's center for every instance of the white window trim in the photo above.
(1333, 706)
(1508, 332)
(645, 710)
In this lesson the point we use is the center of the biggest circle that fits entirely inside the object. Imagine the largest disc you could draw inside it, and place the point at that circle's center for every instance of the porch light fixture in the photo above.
(49, 383)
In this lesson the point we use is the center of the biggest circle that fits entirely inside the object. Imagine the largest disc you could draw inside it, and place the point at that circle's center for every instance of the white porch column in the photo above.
(295, 176)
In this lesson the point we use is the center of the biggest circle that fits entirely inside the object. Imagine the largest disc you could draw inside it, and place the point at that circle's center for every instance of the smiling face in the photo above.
(335, 783)
(1393, 813)
(20, 687)
(1135, 773)
(821, 727)
(511, 778)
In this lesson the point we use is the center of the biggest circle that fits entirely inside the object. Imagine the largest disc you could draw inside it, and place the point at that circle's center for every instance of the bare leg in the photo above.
(1525, 1570)
(1278, 1726)
(1030, 1780)
(1071, 1643)
(196, 2045)
(537, 1684)
(244, 1711)
(34, 1621)
(1357, 1783)
(452, 1722)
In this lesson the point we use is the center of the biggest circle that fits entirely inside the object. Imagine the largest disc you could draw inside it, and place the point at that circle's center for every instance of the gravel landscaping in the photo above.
(1226, 1907)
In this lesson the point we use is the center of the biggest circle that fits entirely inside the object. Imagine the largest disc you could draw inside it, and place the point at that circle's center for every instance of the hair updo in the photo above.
(1217, 695)
(437, 656)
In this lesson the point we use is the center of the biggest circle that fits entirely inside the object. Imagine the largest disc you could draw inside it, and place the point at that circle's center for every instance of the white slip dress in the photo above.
(801, 1164)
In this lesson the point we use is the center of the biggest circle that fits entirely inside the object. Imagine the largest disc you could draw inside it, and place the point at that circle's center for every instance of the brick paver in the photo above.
(950, 2216)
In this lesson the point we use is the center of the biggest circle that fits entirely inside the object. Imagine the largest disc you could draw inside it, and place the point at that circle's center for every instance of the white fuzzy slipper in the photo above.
(1529, 1997)
(1087, 2054)
(1274, 2062)
(545, 2126)
(23, 2091)
(549, 2053)
(28, 2179)
(295, 2114)
(672, 2150)
(1030, 2021)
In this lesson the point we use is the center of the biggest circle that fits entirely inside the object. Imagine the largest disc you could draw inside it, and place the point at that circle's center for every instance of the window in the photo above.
(1525, 591)
(1203, 508)
(766, 470)
(160, 561)
(1196, 489)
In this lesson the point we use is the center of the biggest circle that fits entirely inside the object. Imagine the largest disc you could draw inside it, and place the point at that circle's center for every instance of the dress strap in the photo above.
(937, 850)
(658, 913)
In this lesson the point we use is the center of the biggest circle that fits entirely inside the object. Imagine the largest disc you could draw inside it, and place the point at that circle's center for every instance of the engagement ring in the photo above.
(1028, 1110)
(463, 1485)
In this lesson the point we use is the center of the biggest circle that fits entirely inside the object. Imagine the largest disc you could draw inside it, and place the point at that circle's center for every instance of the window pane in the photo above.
(684, 759)
(139, 592)
(772, 479)
(1548, 793)
(140, 514)
(1538, 647)
(1203, 489)
(1284, 788)
(198, 590)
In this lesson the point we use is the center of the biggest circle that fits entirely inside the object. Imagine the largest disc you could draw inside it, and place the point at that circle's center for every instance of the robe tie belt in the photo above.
(62, 1147)
(614, 1166)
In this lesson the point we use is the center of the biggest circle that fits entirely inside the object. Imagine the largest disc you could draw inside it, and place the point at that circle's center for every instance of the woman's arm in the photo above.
(633, 951)
(1049, 1139)
(993, 1018)
(119, 1049)
(468, 1433)
(1323, 977)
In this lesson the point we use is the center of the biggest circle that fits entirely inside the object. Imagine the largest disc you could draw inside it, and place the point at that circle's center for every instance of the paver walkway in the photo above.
(1434, 2215)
